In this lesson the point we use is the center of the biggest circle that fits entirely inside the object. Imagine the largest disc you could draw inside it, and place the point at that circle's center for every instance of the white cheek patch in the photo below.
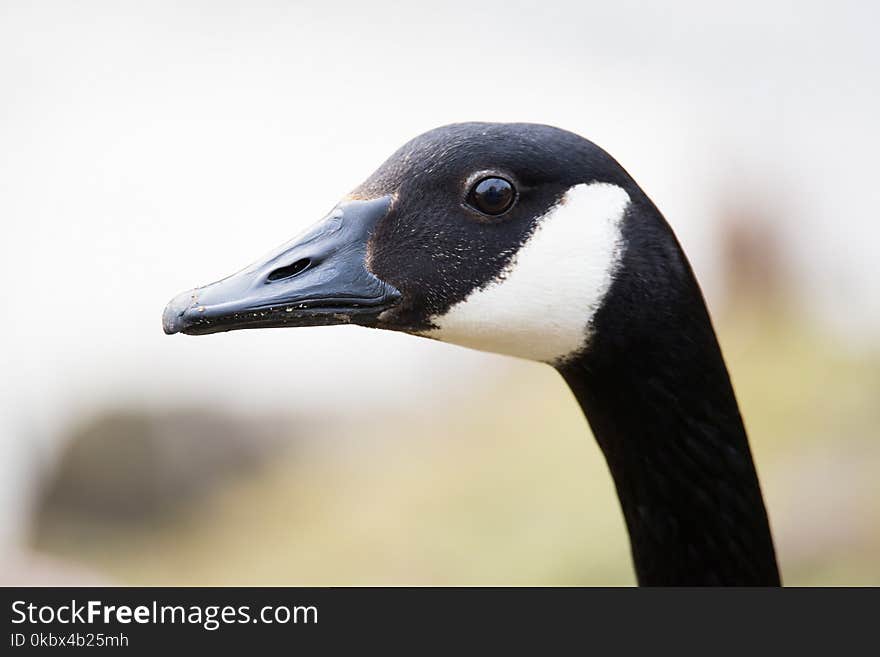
(542, 304)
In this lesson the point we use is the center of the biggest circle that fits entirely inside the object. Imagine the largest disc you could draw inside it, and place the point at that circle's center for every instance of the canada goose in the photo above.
(531, 241)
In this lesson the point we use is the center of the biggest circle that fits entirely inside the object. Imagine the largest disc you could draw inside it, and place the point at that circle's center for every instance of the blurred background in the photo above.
(151, 147)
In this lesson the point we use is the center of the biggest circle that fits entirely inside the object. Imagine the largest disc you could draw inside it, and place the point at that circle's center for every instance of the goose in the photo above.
(531, 241)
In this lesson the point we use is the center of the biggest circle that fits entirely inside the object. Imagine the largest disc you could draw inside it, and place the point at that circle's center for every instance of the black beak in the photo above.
(319, 278)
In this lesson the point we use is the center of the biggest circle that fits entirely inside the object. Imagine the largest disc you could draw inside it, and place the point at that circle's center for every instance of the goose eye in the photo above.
(492, 196)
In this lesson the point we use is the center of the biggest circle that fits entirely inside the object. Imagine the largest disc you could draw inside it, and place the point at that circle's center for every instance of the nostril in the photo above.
(290, 270)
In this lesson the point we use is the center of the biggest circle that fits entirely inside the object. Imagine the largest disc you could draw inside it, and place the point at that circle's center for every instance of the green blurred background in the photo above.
(149, 149)
(502, 485)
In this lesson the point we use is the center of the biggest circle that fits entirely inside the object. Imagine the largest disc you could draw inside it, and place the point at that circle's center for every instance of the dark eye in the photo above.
(492, 196)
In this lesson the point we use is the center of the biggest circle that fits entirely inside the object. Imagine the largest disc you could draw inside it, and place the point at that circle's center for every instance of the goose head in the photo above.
(530, 241)
(500, 237)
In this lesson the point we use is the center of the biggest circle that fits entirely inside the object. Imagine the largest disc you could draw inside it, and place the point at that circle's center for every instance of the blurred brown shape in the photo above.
(126, 465)
(754, 264)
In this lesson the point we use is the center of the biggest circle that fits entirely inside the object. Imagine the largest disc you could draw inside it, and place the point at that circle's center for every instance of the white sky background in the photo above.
(146, 148)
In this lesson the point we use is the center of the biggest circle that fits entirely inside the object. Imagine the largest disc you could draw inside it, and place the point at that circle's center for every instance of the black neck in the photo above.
(658, 397)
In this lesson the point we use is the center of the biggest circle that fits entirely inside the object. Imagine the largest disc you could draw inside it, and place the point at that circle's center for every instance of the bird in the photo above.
(532, 241)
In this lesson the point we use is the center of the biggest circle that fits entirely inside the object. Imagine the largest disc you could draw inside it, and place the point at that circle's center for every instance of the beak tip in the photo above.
(173, 316)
